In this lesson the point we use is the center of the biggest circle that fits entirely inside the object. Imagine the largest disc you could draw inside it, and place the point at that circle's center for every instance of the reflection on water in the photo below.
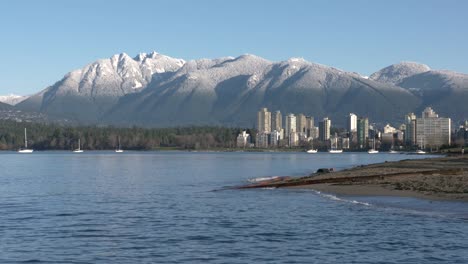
(160, 207)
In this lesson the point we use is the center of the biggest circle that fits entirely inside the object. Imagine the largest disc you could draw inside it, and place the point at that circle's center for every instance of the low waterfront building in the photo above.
(293, 140)
(262, 140)
(345, 142)
(275, 138)
(243, 140)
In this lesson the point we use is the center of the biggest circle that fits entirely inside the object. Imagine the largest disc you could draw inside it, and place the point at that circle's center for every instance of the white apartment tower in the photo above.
(301, 123)
(264, 121)
(432, 130)
(352, 123)
(290, 124)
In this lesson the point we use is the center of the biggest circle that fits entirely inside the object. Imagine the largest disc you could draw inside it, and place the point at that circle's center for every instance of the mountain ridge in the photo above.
(152, 89)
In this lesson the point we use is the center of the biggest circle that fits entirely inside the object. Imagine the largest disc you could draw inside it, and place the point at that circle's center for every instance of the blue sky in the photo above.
(40, 41)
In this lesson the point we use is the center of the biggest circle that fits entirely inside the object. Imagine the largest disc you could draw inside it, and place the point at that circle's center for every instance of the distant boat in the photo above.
(393, 151)
(335, 149)
(25, 149)
(312, 150)
(119, 149)
(78, 150)
(373, 150)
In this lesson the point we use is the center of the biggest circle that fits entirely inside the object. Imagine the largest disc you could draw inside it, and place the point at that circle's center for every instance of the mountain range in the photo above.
(157, 90)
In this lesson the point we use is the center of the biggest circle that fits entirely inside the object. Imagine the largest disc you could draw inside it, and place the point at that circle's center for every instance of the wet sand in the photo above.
(444, 178)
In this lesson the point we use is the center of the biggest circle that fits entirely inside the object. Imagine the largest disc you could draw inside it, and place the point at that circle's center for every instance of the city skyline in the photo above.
(429, 130)
(59, 37)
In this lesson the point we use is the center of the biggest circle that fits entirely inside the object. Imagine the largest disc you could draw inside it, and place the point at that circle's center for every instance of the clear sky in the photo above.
(40, 41)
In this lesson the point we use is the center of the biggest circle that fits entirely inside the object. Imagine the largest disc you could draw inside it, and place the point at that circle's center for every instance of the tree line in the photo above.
(59, 137)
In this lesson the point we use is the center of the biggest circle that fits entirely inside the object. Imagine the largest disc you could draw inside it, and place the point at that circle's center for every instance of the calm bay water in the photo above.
(161, 207)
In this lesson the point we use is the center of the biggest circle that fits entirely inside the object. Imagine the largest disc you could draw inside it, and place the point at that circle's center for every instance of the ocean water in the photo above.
(169, 207)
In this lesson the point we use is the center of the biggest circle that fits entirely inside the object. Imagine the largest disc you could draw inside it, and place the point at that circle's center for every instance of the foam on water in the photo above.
(336, 198)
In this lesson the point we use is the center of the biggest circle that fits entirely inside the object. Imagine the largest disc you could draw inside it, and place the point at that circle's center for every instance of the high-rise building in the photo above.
(301, 123)
(362, 132)
(264, 121)
(429, 113)
(276, 121)
(290, 126)
(324, 129)
(352, 123)
(410, 130)
(310, 126)
(432, 130)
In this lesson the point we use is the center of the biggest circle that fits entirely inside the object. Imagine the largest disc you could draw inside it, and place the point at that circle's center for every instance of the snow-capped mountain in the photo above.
(395, 73)
(86, 93)
(231, 90)
(12, 99)
(157, 90)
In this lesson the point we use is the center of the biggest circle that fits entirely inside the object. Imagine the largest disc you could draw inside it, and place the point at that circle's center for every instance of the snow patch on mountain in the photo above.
(13, 99)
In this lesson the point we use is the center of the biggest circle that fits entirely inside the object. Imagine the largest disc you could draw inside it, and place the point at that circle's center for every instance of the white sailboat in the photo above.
(335, 149)
(312, 150)
(119, 149)
(25, 149)
(78, 150)
(373, 150)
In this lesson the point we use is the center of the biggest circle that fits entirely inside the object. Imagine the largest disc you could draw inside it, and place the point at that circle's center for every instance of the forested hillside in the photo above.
(58, 137)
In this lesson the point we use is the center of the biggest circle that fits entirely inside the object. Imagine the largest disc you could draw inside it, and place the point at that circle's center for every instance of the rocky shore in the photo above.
(443, 178)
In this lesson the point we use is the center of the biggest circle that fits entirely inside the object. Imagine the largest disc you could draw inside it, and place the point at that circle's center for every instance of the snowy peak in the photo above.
(117, 75)
(395, 73)
(12, 99)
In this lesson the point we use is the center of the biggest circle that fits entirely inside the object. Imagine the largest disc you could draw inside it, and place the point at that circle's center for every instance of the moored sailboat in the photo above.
(119, 149)
(25, 149)
(78, 150)
(373, 150)
(312, 150)
(335, 149)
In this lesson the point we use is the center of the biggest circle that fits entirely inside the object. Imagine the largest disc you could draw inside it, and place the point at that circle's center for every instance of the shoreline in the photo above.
(439, 178)
(379, 190)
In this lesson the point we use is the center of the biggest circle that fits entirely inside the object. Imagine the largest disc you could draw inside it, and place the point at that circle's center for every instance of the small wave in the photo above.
(263, 179)
(336, 198)
(268, 188)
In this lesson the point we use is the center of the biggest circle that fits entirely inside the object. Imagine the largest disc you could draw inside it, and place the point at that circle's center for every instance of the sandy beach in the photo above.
(443, 178)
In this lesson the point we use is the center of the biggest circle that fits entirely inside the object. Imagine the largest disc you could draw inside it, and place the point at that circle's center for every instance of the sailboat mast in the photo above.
(25, 139)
